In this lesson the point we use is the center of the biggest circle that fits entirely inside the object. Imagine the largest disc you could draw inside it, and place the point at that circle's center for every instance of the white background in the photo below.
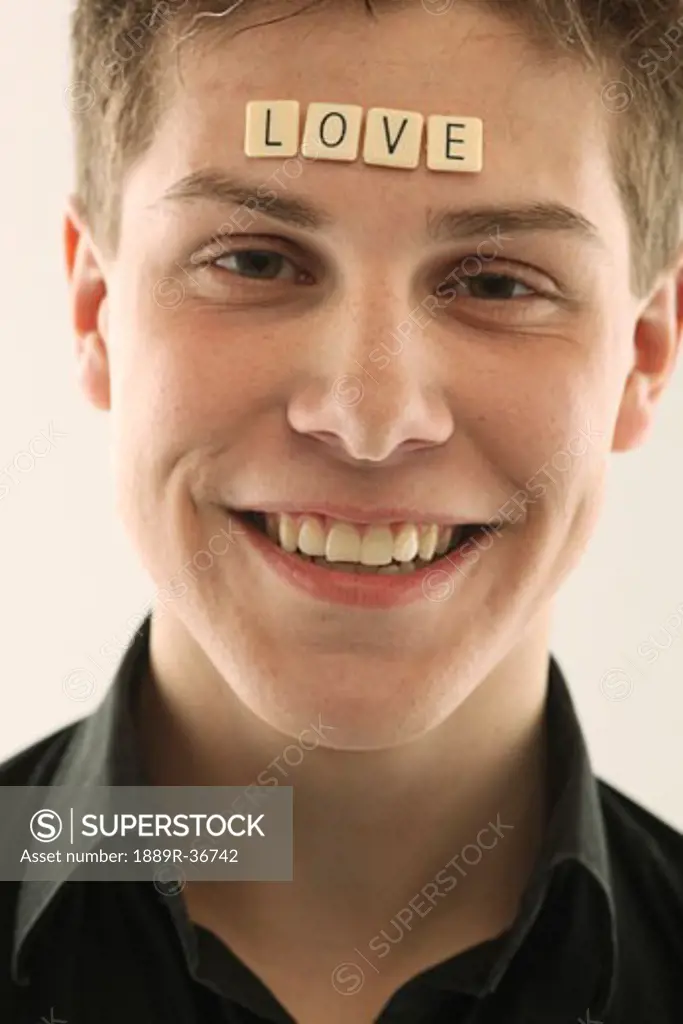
(70, 582)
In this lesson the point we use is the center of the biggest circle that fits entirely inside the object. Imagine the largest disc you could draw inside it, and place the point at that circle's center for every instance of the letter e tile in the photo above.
(455, 143)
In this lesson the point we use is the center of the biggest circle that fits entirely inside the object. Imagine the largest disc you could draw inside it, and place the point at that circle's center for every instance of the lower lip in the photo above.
(359, 589)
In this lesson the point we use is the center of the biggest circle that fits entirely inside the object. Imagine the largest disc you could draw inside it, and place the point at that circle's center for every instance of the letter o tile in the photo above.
(332, 132)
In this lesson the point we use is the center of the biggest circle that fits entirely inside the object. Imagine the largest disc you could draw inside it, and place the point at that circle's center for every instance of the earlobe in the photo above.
(93, 370)
(88, 297)
(656, 343)
(635, 414)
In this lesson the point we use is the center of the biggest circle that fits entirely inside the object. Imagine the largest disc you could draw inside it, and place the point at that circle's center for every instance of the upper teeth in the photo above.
(368, 545)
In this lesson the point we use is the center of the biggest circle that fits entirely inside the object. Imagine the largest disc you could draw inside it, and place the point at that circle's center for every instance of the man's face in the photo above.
(283, 382)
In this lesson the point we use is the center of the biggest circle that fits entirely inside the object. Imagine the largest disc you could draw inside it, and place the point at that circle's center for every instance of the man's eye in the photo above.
(260, 264)
(496, 286)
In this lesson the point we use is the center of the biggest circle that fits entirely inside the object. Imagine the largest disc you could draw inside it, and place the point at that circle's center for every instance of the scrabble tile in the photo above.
(272, 128)
(455, 143)
(393, 138)
(332, 131)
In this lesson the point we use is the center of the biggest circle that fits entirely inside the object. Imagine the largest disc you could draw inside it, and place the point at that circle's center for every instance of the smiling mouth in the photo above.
(386, 549)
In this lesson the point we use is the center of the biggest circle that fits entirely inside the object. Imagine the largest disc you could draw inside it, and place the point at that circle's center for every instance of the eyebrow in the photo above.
(444, 225)
(228, 189)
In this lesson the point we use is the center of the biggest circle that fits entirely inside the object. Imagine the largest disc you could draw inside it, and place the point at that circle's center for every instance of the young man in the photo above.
(394, 390)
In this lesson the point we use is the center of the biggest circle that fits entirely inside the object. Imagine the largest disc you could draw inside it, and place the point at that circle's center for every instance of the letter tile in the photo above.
(272, 128)
(393, 138)
(332, 132)
(455, 143)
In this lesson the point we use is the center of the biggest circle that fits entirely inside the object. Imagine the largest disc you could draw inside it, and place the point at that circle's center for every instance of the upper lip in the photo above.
(356, 514)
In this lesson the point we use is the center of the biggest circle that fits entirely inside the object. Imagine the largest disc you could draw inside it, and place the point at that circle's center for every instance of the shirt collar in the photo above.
(103, 752)
(575, 835)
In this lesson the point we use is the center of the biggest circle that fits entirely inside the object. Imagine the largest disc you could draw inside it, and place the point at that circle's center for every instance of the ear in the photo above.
(657, 340)
(88, 302)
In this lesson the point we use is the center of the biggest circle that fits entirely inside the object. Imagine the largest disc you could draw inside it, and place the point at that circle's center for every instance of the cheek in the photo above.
(544, 424)
(550, 406)
(185, 377)
(188, 387)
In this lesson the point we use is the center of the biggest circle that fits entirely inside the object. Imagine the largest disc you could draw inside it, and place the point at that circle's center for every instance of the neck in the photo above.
(467, 801)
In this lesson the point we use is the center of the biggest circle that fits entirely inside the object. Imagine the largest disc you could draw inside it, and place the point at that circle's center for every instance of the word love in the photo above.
(393, 138)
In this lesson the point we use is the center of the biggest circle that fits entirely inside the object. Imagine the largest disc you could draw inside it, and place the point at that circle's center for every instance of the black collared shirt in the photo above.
(598, 936)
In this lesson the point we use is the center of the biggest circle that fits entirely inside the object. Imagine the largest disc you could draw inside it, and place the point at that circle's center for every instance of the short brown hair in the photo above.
(122, 47)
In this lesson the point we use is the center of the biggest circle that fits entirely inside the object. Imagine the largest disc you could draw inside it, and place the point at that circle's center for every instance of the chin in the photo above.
(355, 704)
(349, 725)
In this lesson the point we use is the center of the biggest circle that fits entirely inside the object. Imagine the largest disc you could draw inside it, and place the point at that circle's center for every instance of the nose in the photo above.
(373, 392)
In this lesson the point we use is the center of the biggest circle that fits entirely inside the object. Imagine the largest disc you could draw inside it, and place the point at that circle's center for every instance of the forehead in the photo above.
(545, 129)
